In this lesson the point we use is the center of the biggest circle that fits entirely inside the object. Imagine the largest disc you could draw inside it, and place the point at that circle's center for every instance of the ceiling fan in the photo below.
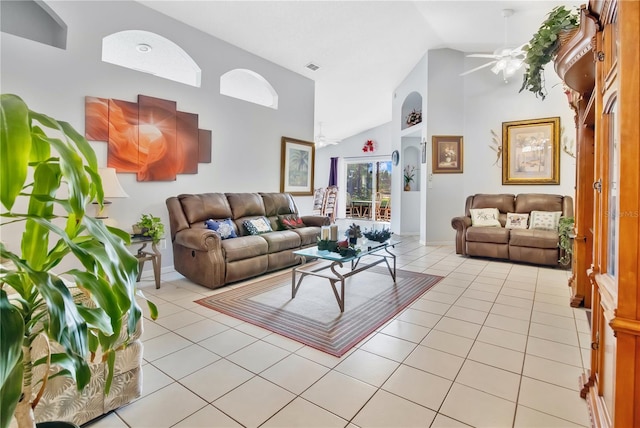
(321, 140)
(506, 60)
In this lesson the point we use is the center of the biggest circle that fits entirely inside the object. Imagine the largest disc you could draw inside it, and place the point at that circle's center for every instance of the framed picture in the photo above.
(447, 154)
(297, 166)
(531, 151)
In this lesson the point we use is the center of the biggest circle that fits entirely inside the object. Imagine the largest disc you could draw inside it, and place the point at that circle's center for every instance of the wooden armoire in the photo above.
(601, 66)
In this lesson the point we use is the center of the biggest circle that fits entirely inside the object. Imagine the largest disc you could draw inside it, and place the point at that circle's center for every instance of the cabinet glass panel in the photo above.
(613, 193)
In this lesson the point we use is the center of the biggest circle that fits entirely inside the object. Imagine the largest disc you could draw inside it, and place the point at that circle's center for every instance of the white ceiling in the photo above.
(364, 48)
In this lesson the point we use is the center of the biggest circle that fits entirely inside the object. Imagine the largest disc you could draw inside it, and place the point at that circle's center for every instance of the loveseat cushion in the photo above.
(503, 202)
(244, 247)
(527, 202)
(281, 240)
(495, 235)
(534, 238)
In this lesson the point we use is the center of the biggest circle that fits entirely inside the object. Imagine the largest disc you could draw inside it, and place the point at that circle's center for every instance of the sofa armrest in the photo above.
(460, 224)
(199, 239)
(316, 220)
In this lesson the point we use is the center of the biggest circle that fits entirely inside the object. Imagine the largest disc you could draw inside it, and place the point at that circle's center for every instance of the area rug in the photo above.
(313, 317)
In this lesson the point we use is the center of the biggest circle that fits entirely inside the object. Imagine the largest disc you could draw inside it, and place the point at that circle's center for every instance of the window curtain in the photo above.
(333, 172)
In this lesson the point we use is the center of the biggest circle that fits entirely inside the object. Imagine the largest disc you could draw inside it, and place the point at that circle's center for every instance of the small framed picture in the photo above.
(447, 154)
(297, 166)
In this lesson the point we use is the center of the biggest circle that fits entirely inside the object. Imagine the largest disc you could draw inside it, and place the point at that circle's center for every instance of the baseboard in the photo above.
(148, 273)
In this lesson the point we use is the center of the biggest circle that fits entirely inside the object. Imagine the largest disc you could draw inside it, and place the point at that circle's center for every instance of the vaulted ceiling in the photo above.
(364, 48)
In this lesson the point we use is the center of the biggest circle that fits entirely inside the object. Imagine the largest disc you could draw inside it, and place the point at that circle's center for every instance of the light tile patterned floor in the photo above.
(494, 344)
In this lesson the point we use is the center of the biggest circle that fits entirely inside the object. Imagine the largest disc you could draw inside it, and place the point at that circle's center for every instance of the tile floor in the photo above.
(494, 344)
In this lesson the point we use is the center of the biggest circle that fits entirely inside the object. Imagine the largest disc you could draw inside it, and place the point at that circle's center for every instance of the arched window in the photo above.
(150, 53)
(34, 21)
(249, 86)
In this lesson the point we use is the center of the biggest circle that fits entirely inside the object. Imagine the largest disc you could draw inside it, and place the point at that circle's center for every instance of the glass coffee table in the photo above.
(375, 249)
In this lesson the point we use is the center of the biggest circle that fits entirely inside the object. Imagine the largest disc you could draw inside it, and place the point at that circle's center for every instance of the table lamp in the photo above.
(112, 189)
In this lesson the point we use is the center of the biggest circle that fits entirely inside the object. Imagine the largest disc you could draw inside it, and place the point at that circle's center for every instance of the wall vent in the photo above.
(313, 67)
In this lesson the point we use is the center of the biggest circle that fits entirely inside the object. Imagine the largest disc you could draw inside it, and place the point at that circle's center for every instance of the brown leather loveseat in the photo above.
(201, 254)
(537, 245)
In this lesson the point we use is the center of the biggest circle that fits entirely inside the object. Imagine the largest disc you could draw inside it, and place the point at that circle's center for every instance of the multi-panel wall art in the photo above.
(150, 138)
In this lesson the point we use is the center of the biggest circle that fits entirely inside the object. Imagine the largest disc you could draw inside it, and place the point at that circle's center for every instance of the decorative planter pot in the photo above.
(407, 187)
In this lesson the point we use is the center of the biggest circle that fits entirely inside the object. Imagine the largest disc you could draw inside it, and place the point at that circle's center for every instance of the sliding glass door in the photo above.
(368, 190)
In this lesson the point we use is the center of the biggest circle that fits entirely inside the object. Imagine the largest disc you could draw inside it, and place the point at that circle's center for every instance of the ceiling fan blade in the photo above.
(478, 68)
(479, 55)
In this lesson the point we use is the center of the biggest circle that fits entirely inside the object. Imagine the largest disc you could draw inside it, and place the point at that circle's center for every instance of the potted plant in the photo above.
(353, 233)
(149, 226)
(565, 234)
(409, 175)
(35, 300)
(543, 46)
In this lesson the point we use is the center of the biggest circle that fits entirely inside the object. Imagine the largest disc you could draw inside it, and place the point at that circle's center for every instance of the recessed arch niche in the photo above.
(247, 85)
(151, 53)
(411, 110)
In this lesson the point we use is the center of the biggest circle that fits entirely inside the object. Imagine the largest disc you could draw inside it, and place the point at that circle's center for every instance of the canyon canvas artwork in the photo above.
(150, 138)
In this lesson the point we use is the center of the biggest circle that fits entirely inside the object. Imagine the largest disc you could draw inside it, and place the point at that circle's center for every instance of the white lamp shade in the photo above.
(110, 184)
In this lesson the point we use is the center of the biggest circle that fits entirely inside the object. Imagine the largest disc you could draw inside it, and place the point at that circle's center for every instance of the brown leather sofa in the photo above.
(523, 245)
(202, 256)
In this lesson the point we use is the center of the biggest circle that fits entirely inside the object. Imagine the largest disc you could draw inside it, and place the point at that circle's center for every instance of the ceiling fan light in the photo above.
(500, 65)
(512, 67)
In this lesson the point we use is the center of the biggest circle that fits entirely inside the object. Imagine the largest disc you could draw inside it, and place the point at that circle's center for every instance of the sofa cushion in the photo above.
(533, 238)
(545, 220)
(278, 204)
(281, 240)
(244, 247)
(245, 205)
(290, 221)
(258, 225)
(201, 207)
(225, 228)
(308, 235)
(516, 221)
(485, 217)
(496, 235)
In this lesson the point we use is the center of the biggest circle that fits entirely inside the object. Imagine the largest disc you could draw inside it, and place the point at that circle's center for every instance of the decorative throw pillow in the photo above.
(290, 221)
(485, 217)
(224, 228)
(257, 225)
(516, 221)
(545, 220)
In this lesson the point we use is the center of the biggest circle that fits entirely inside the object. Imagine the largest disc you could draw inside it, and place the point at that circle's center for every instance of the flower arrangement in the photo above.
(353, 231)
(347, 250)
(378, 235)
(409, 174)
(369, 146)
(150, 226)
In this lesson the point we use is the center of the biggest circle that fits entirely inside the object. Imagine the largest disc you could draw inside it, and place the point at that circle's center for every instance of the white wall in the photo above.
(446, 117)
(246, 137)
(403, 222)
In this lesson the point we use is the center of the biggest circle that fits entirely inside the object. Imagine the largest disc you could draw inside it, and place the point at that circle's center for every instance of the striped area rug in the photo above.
(313, 317)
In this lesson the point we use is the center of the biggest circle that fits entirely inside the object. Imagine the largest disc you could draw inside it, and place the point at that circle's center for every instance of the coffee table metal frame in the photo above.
(375, 250)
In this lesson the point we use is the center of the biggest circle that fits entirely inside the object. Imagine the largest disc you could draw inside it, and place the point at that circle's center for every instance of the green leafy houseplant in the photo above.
(543, 46)
(565, 232)
(35, 301)
(151, 226)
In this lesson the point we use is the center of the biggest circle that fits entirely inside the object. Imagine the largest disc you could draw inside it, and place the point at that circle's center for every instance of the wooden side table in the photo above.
(143, 255)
